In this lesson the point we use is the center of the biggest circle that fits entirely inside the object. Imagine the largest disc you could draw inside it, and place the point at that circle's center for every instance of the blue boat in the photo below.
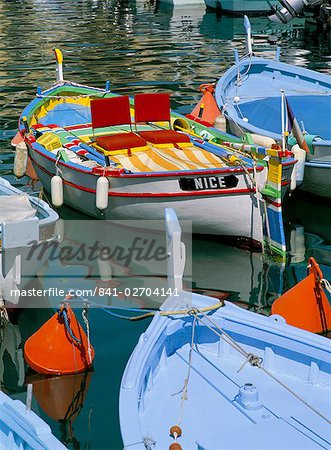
(250, 96)
(207, 375)
(21, 428)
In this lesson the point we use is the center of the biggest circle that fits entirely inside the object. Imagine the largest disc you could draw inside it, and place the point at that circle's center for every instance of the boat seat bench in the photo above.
(164, 137)
(120, 141)
(149, 108)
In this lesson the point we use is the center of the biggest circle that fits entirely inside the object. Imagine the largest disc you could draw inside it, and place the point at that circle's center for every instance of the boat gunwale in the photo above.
(273, 64)
(222, 170)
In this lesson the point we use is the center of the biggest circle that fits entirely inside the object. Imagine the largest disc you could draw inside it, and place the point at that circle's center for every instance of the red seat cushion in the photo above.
(119, 141)
(164, 137)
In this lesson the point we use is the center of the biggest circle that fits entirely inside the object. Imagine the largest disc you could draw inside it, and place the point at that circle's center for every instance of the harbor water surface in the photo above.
(142, 46)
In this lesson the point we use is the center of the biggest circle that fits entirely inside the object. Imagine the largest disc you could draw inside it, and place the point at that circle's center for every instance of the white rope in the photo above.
(183, 391)
(254, 360)
(258, 203)
(57, 168)
(326, 284)
(87, 325)
(4, 318)
(264, 94)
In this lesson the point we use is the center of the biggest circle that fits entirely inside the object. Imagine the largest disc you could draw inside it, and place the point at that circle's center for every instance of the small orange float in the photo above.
(60, 346)
(306, 305)
(206, 110)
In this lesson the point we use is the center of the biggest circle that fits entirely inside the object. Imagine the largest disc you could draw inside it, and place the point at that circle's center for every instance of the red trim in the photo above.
(77, 127)
(285, 183)
(151, 194)
(187, 173)
(289, 163)
(198, 120)
(273, 203)
(152, 174)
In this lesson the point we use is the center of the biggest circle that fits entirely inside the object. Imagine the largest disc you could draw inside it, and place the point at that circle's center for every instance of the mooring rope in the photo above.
(87, 326)
(62, 312)
(4, 318)
(326, 284)
(183, 391)
(254, 360)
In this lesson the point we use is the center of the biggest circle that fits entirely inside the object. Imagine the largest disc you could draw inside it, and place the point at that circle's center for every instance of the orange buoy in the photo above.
(306, 305)
(206, 110)
(62, 397)
(175, 431)
(30, 172)
(60, 346)
(175, 446)
(17, 139)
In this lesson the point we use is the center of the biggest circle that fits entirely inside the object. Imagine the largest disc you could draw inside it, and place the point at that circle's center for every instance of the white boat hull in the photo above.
(232, 212)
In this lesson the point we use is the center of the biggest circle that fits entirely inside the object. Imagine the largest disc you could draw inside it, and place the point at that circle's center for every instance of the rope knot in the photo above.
(253, 360)
(62, 312)
(193, 311)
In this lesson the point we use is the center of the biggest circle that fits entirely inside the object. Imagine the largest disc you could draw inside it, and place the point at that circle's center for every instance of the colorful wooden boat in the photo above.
(22, 428)
(24, 221)
(250, 97)
(90, 154)
(206, 375)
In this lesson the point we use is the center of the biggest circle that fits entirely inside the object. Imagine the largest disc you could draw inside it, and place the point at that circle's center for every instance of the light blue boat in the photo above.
(249, 95)
(21, 428)
(223, 377)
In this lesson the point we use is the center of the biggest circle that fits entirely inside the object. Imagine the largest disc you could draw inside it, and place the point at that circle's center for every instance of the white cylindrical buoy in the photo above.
(293, 184)
(297, 244)
(265, 141)
(57, 190)
(105, 269)
(20, 160)
(300, 155)
(59, 230)
(101, 195)
(220, 123)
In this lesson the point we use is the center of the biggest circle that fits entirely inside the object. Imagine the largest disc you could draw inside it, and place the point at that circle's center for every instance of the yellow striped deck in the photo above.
(160, 159)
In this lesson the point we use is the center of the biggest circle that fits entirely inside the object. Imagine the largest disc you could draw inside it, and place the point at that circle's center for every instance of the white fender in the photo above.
(265, 141)
(220, 123)
(101, 196)
(59, 230)
(300, 155)
(57, 190)
(297, 244)
(10, 283)
(20, 160)
(105, 270)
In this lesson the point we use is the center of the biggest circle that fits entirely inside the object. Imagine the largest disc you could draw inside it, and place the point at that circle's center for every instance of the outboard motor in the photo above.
(288, 9)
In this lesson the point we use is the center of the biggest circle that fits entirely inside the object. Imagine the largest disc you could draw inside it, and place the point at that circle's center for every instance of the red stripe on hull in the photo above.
(151, 194)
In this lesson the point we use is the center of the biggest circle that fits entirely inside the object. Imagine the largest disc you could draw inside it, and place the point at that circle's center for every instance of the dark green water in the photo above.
(139, 47)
